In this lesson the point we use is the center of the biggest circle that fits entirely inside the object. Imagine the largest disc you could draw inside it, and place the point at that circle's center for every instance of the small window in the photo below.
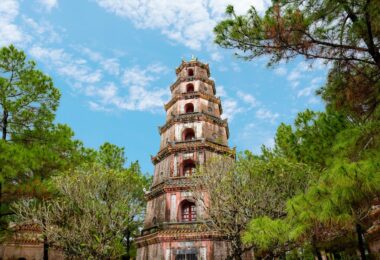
(189, 212)
(186, 257)
(205, 88)
(188, 168)
(189, 108)
(188, 134)
(209, 109)
(190, 88)
(190, 72)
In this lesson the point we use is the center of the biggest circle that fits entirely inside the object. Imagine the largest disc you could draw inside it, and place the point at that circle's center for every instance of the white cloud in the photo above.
(9, 31)
(181, 21)
(48, 5)
(216, 56)
(252, 136)
(294, 75)
(188, 23)
(304, 70)
(66, 65)
(309, 91)
(134, 92)
(218, 7)
(248, 99)
(305, 92)
(141, 95)
(220, 91)
(230, 105)
(266, 114)
(42, 31)
(235, 67)
(97, 107)
(230, 108)
(110, 65)
(269, 142)
(136, 76)
(281, 71)
(243, 102)
(146, 99)
(313, 100)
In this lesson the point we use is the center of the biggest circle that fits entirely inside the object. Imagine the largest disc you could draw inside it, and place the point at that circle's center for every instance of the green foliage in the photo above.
(251, 187)
(28, 98)
(325, 29)
(342, 144)
(300, 144)
(111, 156)
(94, 209)
(32, 148)
(267, 233)
(343, 33)
(353, 90)
(86, 201)
(338, 198)
(28, 163)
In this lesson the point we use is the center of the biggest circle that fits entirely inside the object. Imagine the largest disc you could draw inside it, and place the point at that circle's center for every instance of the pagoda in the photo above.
(193, 133)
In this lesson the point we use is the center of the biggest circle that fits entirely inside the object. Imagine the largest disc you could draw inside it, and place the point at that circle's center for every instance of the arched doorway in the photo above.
(188, 211)
(189, 88)
(189, 108)
(188, 168)
(188, 134)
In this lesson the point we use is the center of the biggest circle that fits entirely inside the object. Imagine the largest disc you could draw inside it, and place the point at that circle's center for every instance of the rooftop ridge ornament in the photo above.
(193, 58)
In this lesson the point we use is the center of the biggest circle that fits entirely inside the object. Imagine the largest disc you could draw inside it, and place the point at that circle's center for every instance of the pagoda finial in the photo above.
(193, 58)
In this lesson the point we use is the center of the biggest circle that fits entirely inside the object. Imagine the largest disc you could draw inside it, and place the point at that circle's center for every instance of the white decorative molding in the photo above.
(173, 207)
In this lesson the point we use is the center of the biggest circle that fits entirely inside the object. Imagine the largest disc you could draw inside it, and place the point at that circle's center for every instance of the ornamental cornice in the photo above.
(192, 63)
(192, 95)
(183, 231)
(195, 116)
(170, 184)
(192, 145)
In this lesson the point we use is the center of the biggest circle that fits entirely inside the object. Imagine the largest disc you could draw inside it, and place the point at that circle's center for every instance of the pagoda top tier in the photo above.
(194, 62)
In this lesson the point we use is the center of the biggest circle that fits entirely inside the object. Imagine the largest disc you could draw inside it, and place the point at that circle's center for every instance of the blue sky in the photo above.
(114, 61)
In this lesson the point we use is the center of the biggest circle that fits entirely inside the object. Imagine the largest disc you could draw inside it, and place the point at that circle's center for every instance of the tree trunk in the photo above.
(5, 124)
(46, 249)
(4, 137)
(128, 245)
(360, 242)
(317, 254)
(45, 243)
(237, 252)
(315, 249)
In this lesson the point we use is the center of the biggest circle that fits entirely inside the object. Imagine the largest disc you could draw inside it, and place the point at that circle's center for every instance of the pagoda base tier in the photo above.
(183, 241)
(182, 244)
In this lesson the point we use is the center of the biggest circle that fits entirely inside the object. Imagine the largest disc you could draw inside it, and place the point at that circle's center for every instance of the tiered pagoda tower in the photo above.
(193, 133)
